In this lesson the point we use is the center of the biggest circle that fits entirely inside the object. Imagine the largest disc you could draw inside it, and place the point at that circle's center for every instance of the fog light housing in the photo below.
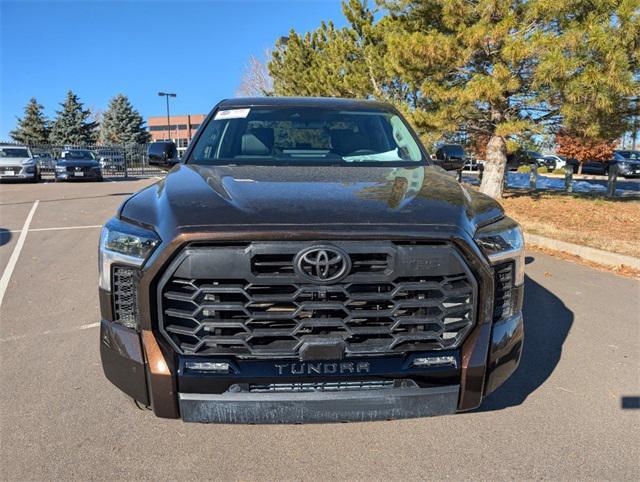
(209, 367)
(435, 361)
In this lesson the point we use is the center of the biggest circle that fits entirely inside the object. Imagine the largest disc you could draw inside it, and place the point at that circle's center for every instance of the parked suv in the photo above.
(78, 164)
(525, 158)
(17, 163)
(111, 158)
(306, 262)
(628, 163)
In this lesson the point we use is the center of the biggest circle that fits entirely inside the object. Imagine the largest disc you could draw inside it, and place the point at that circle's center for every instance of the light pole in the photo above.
(167, 95)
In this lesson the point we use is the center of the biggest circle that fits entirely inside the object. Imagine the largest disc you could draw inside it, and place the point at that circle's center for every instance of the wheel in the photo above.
(100, 179)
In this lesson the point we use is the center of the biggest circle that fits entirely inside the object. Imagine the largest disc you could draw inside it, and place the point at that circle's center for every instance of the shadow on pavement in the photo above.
(547, 322)
(5, 236)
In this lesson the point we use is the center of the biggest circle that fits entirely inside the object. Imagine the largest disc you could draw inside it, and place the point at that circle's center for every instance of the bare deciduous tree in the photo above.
(256, 81)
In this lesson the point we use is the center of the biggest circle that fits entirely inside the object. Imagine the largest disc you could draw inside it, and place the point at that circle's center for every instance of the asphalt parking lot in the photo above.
(567, 413)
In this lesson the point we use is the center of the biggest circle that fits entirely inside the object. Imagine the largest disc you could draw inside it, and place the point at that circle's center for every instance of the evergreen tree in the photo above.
(33, 128)
(122, 124)
(333, 62)
(72, 124)
(498, 70)
(506, 69)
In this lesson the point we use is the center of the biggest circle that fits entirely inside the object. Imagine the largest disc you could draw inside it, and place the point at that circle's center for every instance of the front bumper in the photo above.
(629, 170)
(18, 173)
(137, 366)
(314, 407)
(72, 176)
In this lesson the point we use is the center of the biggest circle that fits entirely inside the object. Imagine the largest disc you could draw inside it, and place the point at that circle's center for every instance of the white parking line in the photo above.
(61, 228)
(8, 270)
(51, 332)
(89, 325)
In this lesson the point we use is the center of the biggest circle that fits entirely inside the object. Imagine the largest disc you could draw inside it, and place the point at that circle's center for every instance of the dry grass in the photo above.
(611, 225)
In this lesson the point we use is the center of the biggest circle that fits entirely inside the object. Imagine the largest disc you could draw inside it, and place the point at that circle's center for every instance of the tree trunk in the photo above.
(494, 167)
(580, 163)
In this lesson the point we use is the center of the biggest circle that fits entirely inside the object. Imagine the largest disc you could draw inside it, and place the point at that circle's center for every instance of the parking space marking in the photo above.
(51, 332)
(61, 228)
(8, 270)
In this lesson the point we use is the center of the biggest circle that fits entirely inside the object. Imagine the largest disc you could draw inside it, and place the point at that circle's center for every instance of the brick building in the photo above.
(183, 128)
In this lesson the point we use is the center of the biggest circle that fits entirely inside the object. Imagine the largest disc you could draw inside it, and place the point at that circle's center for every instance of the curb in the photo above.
(594, 255)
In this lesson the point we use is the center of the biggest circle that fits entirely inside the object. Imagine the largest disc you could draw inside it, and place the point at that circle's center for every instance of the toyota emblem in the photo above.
(322, 264)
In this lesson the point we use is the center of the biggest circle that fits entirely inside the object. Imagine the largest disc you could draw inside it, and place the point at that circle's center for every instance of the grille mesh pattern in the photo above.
(125, 303)
(237, 317)
(322, 386)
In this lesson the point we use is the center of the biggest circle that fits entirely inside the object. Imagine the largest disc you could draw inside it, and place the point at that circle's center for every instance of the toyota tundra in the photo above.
(305, 261)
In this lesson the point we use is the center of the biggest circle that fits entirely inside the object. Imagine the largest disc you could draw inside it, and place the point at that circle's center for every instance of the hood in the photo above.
(242, 197)
(78, 163)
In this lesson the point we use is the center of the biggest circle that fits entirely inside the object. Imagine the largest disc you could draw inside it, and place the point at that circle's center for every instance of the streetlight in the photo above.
(167, 95)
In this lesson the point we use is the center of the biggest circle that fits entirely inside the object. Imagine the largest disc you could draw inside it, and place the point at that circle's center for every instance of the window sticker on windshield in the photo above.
(231, 114)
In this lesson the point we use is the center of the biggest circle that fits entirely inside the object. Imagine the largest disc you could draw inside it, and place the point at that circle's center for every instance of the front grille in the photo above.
(282, 264)
(382, 307)
(125, 303)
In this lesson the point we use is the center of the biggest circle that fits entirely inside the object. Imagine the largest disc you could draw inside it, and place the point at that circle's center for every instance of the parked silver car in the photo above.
(111, 158)
(17, 162)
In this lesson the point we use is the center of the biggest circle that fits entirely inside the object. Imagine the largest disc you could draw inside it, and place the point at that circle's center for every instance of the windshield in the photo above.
(79, 155)
(631, 155)
(13, 152)
(297, 135)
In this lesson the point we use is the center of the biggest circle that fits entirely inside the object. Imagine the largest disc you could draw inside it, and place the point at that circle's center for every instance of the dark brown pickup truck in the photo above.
(306, 262)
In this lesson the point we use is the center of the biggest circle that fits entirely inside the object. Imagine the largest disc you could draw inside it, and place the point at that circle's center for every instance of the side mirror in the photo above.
(163, 154)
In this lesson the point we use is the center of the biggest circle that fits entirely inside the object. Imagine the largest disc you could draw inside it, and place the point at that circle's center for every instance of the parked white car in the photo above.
(560, 161)
(17, 162)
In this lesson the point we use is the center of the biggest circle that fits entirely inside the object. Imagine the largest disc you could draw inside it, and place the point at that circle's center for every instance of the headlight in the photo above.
(503, 241)
(125, 244)
(28, 162)
(61, 168)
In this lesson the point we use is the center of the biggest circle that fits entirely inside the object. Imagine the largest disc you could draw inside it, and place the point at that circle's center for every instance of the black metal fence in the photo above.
(116, 160)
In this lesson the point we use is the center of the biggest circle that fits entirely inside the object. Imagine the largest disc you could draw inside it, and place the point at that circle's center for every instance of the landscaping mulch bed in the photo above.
(611, 225)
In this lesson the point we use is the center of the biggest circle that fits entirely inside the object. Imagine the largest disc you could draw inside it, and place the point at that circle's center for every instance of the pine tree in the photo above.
(72, 124)
(33, 128)
(122, 124)
(507, 69)
(500, 71)
(333, 62)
